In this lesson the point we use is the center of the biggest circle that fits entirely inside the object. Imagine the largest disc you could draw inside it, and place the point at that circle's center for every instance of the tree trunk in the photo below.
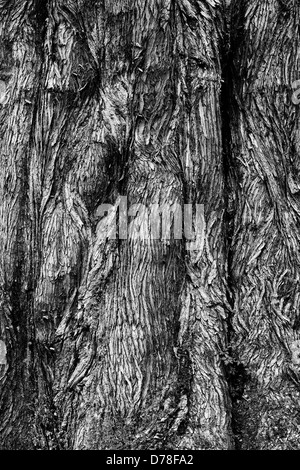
(264, 267)
(112, 337)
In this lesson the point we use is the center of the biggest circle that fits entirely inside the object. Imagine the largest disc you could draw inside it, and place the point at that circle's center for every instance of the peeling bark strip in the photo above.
(265, 246)
(110, 344)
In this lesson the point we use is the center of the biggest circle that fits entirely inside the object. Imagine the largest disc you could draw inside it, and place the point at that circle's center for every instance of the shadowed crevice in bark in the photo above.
(235, 372)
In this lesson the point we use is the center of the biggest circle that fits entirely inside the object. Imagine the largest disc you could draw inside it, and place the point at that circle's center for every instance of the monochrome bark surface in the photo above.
(264, 267)
(143, 343)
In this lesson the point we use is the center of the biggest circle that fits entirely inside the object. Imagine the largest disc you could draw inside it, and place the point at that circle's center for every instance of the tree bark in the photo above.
(111, 343)
(264, 267)
(108, 342)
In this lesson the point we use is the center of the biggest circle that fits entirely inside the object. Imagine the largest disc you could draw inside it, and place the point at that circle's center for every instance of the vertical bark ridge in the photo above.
(265, 244)
(136, 309)
(20, 70)
(125, 338)
(203, 332)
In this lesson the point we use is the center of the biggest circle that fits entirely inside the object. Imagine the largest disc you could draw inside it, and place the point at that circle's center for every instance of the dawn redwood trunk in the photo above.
(265, 248)
(111, 343)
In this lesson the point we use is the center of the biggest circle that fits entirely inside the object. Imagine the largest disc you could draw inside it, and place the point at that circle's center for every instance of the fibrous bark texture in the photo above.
(139, 341)
(266, 233)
